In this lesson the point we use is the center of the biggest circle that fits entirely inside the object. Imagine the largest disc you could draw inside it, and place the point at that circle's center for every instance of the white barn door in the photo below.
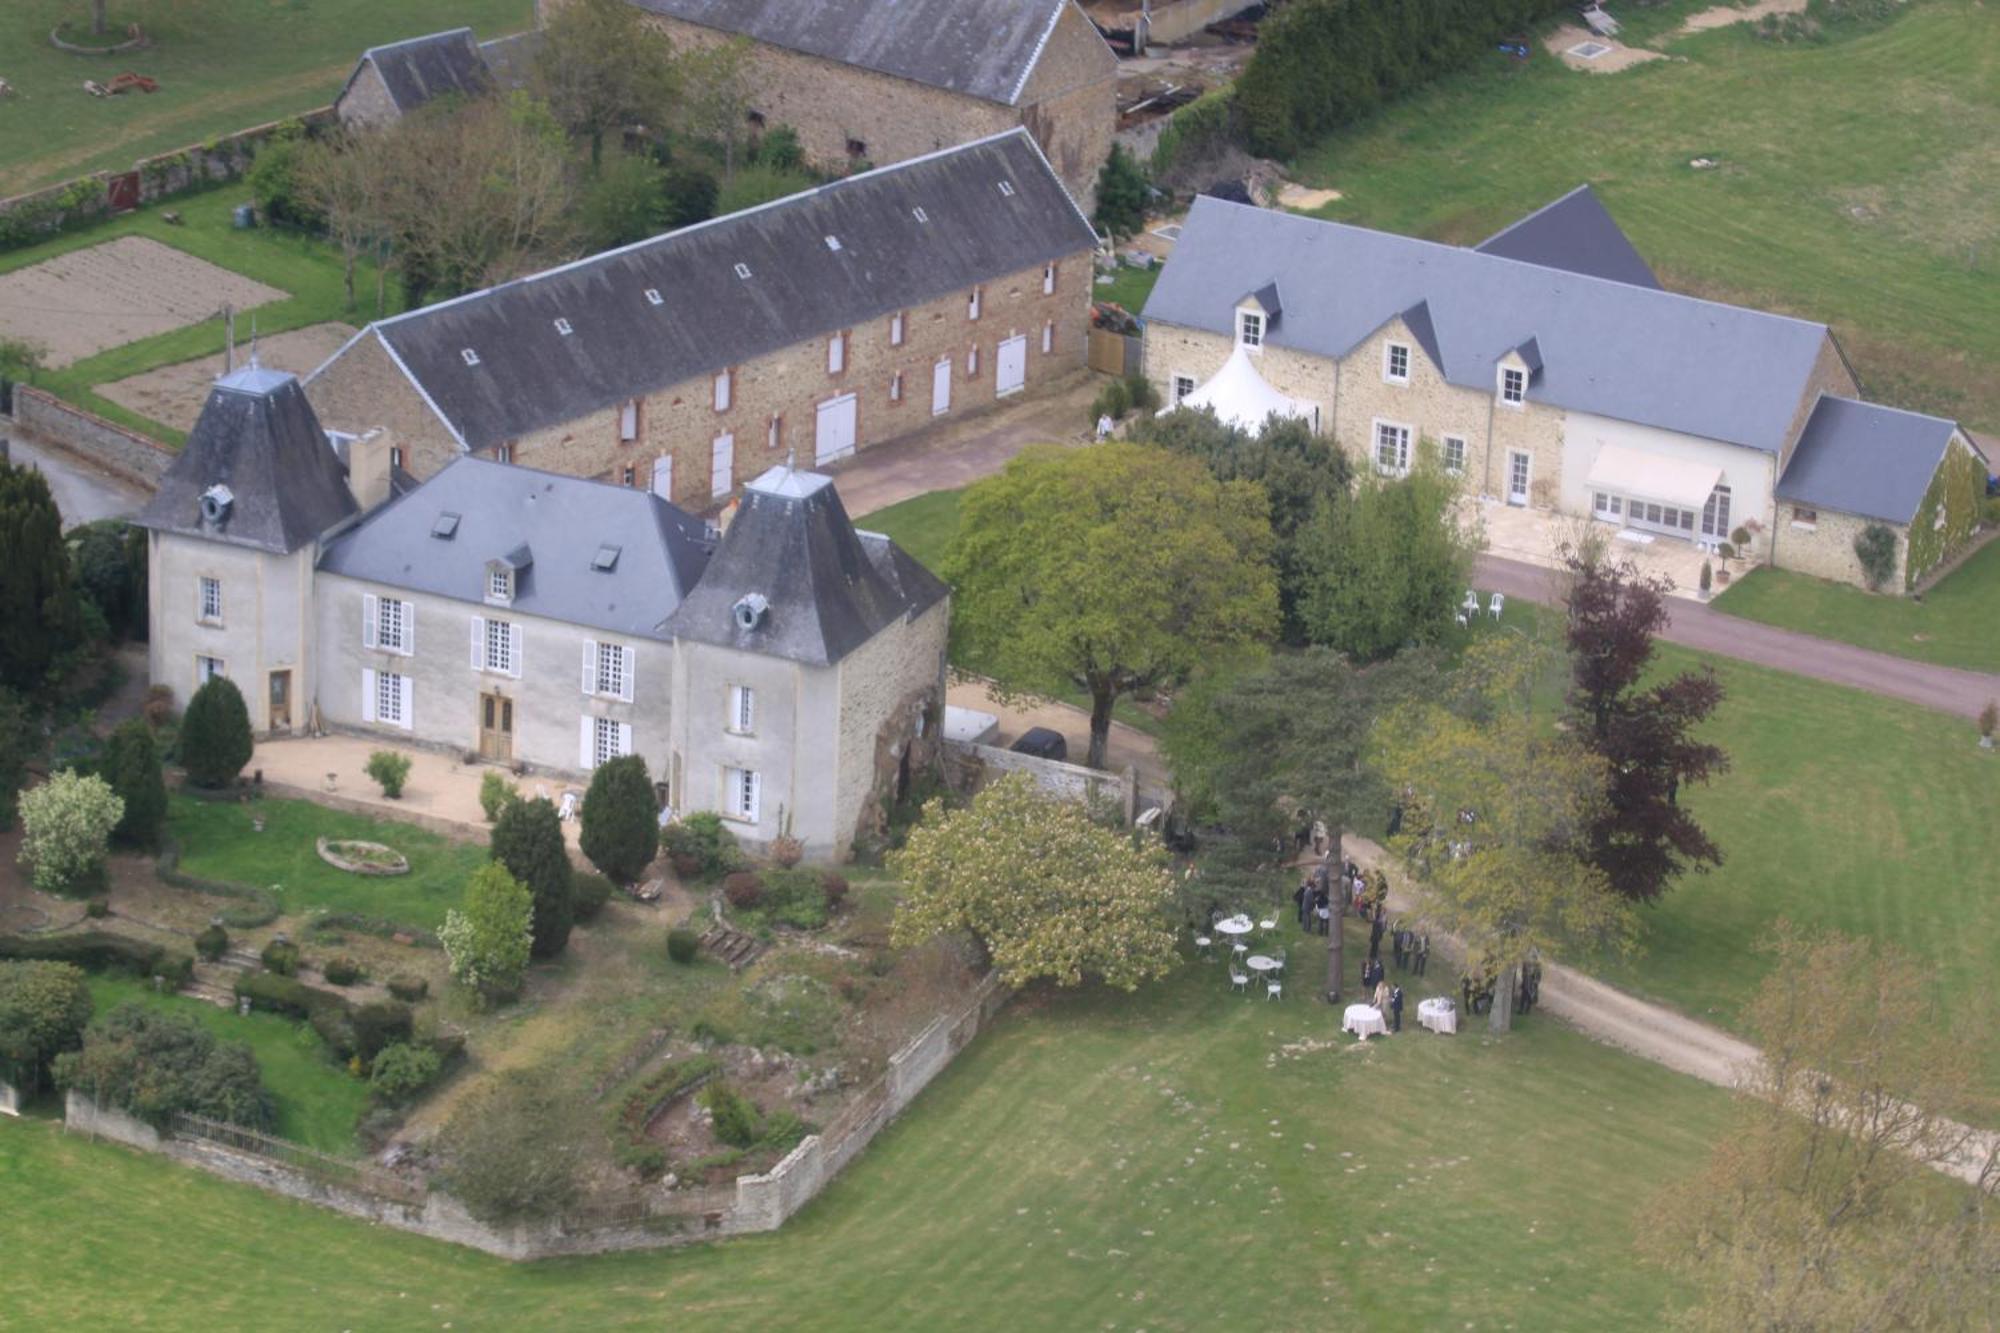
(1011, 366)
(663, 476)
(722, 467)
(941, 387)
(833, 430)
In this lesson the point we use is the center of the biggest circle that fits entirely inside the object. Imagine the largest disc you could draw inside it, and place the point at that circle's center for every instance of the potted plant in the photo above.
(1989, 722)
(1707, 580)
(1740, 539)
(1725, 553)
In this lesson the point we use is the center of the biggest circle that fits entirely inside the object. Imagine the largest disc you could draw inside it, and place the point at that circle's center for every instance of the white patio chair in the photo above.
(1471, 602)
(1463, 623)
(1239, 948)
(1206, 945)
(1268, 923)
(1274, 988)
(1497, 604)
(1239, 980)
(567, 811)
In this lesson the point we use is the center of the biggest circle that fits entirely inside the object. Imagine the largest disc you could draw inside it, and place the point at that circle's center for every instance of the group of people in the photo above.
(1478, 997)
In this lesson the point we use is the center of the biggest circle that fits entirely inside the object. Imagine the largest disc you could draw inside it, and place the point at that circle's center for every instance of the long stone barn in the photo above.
(809, 327)
(880, 81)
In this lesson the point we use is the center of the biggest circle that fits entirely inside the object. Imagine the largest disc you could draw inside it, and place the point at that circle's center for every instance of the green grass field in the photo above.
(1129, 287)
(223, 66)
(217, 842)
(1181, 1159)
(309, 268)
(318, 1101)
(1957, 624)
(1825, 204)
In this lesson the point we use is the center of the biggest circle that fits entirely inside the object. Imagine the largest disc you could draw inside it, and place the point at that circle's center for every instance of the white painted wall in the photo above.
(1748, 473)
(265, 622)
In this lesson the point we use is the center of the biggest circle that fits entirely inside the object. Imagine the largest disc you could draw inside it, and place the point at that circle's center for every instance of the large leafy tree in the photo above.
(1301, 471)
(514, 1150)
(621, 831)
(487, 941)
(153, 1064)
(601, 66)
(1108, 569)
(528, 842)
(1045, 892)
(1388, 567)
(717, 80)
(1497, 807)
(110, 561)
(215, 734)
(44, 1008)
(1820, 1208)
(38, 602)
(1642, 838)
(66, 826)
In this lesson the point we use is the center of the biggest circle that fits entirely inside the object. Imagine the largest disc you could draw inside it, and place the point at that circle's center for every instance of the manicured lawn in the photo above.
(1957, 624)
(217, 842)
(223, 65)
(1129, 287)
(318, 1101)
(1822, 205)
(923, 526)
(1842, 810)
(1158, 1161)
(309, 268)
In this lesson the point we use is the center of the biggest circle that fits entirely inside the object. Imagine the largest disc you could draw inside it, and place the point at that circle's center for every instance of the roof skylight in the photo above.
(833, 243)
(919, 214)
(471, 357)
(562, 327)
(606, 558)
(1007, 188)
(446, 526)
(653, 296)
(742, 270)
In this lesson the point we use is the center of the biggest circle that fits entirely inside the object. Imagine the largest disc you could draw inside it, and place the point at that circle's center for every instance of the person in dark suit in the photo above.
(1395, 1009)
(1371, 972)
(1302, 898)
(1375, 938)
(1423, 952)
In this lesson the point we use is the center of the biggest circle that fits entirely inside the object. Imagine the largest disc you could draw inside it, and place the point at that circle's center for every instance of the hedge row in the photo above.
(261, 906)
(1322, 64)
(101, 951)
(352, 1031)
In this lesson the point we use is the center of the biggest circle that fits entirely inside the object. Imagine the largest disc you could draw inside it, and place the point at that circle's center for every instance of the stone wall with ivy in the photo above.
(1949, 513)
(28, 218)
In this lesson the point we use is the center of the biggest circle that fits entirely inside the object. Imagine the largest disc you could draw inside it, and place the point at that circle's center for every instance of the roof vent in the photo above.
(215, 502)
(606, 559)
(1007, 188)
(919, 214)
(750, 610)
(742, 270)
(653, 296)
(471, 357)
(562, 327)
(446, 526)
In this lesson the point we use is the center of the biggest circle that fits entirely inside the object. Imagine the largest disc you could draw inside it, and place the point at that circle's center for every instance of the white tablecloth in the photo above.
(1234, 925)
(1261, 962)
(1437, 1014)
(1364, 1021)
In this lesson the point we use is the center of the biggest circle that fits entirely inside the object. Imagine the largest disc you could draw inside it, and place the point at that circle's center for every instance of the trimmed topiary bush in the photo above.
(495, 792)
(213, 942)
(341, 970)
(744, 889)
(390, 771)
(682, 946)
(215, 739)
(590, 892)
(620, 830)
(132, 767)
(409, 989)
(528, 842)
(281, 957)
(700, 844)
(401, 1071)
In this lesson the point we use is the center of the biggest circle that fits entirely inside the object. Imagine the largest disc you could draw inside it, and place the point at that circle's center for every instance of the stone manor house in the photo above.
(1549, 368)
(787, 672)
(881, 81)
(818, 324)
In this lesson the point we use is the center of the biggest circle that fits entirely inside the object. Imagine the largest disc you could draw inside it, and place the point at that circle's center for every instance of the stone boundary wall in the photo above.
(762, 1202)
(61, 207)
(1178, 20)
(1071, 782)
(126, 453)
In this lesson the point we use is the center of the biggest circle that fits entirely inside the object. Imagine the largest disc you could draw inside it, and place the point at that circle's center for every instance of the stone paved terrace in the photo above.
(1532, 536)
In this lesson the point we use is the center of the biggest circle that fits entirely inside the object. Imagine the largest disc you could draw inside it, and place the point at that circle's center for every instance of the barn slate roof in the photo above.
(530, 375)
(827, 588)
(1575, 233)
(1866, 459)
(259, 437)
(549, 528)
(1612, 348)
(421, 68)
(982, 48)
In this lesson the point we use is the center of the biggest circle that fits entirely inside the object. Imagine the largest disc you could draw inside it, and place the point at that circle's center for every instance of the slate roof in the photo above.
(1576, 234)
(258, 436)
(1612, 348)
(1862, 458)
(529, 375)
(982, 48)
(829, 588)
(550, 527)
(421, 68)
(510, 60)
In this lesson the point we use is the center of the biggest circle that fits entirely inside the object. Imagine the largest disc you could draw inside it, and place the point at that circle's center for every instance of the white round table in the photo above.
(1234, 925)
(1438, 1014)
(1258, 962)
(1364, 1021)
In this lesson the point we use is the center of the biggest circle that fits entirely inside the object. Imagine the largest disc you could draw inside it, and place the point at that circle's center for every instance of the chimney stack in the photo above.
(368, 467)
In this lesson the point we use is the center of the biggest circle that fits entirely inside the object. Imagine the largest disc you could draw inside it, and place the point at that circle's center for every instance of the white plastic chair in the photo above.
(1463, 623)
(1239, 948)
(1268, 923)
(1206, 945)
(1274, 988)
(568, 810)
(1239, 980)
(1471, 602)
(1499, 601)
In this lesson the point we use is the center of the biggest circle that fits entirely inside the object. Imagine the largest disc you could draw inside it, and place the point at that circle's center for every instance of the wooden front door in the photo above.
(496, 728)
(281, 701)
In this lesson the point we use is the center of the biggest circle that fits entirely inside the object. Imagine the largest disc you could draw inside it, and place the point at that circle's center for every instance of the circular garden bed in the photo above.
(362, 858)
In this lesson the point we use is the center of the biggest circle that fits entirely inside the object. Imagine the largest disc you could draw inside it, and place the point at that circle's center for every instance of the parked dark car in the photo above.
(1042, 743)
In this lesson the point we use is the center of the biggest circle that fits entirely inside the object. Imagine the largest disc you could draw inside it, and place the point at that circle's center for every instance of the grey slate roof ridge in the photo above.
(797, 302)
(1210, 241)
(1035, 56)
(1530, 222)
(1866, 474)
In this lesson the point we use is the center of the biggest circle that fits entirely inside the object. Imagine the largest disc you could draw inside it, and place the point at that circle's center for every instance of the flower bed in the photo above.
(362, 858)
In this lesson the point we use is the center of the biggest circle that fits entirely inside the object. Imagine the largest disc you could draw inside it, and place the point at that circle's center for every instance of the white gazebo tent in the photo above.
(1242, 398)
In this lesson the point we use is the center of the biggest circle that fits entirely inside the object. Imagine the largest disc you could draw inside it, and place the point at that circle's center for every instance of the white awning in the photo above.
(1673, 481)
(1243, 398)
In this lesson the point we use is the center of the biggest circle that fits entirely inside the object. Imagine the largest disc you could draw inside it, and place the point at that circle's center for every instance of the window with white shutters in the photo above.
(741, 793)
(896, 325)
(742, 710)
(497, 646)
(607, 670)
(609, 739)
(389, 624)
(208, 668)
(1048, 279)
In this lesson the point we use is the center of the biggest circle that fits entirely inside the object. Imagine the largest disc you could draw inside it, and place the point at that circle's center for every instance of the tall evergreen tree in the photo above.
(132, 767)
(19, 742)
(528, 840)
(1642, 838)
(621, 830)
(38, 603)
(215, 734)
(1121, 194)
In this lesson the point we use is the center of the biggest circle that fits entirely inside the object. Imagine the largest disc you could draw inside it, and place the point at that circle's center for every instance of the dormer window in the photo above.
(1513, 386)
(1396, 364)
(1250, 329)
(499, 584)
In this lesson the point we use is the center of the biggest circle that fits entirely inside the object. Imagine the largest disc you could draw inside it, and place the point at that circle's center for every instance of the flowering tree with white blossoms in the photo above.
(1044, 891)
(487, 943)
(66, 826)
